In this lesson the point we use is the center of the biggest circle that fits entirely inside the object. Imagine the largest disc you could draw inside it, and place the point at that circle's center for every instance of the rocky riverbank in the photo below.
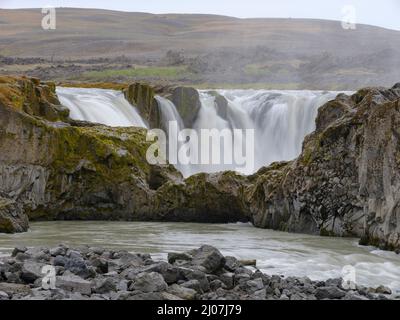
(86, 273)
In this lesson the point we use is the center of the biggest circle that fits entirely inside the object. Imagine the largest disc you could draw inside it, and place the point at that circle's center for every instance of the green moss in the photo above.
(6, 225)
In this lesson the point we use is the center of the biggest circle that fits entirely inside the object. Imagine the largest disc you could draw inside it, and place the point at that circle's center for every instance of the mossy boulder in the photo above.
(12, 217)
(142, 96)
(187, 102)
(216, 198)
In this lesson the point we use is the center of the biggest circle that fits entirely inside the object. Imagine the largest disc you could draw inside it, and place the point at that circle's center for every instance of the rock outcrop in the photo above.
(52, 167)
(185, 99)
(346, 181)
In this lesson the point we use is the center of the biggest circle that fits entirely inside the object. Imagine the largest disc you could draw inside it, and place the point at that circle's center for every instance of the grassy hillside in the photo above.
(215, 49)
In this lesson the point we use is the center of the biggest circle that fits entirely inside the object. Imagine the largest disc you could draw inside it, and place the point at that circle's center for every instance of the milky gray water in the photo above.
(276, 252)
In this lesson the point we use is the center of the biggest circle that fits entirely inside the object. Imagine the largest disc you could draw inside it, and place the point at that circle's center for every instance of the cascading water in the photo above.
(106, 107)
(280, 119)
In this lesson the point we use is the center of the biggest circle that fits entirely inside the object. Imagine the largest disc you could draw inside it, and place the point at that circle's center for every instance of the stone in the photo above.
(201, 277)
(73, 283)
(329, 293)
(18, 250)
(231, 264)
(255, 285)
(4, 296)
(173, 257)
(150, 282)
(31, 271)
(77, 265)
(104, 286)
(208, 257)
(60, 261)
(182, 292)
(100, 264)
(12, 288)
(58, 251)
(171, 274)
(193, 284)
(383, 290)
(228, 279)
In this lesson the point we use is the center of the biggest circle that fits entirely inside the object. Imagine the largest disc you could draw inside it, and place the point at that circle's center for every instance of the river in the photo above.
(277, 253)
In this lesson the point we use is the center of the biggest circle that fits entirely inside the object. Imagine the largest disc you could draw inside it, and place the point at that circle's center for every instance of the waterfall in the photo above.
(108, 107)
(280, 120)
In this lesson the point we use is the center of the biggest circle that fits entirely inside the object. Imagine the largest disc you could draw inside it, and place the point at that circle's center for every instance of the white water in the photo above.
(108, 107)
(280, 119)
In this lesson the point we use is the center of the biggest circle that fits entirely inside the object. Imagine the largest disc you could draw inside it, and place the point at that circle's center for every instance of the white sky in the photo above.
(384, 13)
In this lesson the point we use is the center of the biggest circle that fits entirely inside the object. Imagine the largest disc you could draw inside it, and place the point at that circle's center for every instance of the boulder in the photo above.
(72, 283)
(182, 292)
(31, 271)
(208, 257)
(149, 282)
(329, 293)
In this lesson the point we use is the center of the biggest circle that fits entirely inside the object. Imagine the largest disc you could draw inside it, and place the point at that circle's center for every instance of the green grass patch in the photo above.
(140, 72)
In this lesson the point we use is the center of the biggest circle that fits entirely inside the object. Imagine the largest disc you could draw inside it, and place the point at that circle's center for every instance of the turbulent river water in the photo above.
(276, 252)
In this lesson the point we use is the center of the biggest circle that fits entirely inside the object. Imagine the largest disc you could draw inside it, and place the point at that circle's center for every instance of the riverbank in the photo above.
(89, 273)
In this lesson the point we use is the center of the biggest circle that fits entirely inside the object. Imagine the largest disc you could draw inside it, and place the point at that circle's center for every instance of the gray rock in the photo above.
(255, 285)
(208, 257)
(95, 250)
(171, 274)
(58, 251)
(60, 261)
(173, 257)
(74, 283)
(194, 285)
(100, 264)
(12, 289)
(329, 293)
(228, 279)
(196, 275)
(383, 290)
(31, 271)
(150, 282)
(104, 286)
(18, 250)
(231, 264)
(4, 296)
(182, 292)
(77, 265)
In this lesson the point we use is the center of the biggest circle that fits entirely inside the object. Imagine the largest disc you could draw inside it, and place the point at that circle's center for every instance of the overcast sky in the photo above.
(384, 13)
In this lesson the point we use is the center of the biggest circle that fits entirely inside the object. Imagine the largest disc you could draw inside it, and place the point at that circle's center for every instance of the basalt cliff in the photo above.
(346, 182)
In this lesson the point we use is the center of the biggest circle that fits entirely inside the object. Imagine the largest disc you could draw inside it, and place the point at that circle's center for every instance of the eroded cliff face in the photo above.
(57, 169)
(346, 182)
(52, 167)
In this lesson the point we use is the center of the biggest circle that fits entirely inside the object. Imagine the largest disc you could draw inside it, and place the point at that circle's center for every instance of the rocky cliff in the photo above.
(52, 167)
(346, 181)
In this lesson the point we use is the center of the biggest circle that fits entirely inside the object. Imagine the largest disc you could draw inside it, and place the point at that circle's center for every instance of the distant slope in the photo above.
(274, 53)
(87, 32)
